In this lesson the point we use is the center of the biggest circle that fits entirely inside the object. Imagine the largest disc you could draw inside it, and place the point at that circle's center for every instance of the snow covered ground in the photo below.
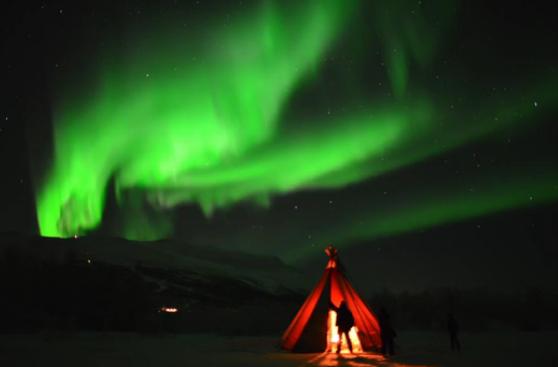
(415, 349)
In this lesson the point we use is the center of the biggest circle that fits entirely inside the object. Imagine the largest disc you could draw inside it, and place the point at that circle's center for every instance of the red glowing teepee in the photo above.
(313, 328)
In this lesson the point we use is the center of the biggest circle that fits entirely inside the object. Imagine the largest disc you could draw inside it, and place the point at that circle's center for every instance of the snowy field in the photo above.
(415, 349)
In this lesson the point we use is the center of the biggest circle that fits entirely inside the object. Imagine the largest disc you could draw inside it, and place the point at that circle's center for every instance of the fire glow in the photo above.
(169, 309)
(333, 336)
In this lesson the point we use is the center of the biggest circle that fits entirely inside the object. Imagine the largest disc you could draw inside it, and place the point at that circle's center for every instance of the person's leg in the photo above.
(349, 343)
(340, 333)
(454, 342)
(387, 347)
(383, 349)
(391, 347)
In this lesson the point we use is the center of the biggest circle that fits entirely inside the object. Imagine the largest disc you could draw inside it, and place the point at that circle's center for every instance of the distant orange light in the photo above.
(169, 309)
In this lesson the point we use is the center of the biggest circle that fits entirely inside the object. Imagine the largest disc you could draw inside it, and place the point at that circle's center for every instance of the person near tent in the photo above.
(387, 333)
(453, 329)
(345, 321)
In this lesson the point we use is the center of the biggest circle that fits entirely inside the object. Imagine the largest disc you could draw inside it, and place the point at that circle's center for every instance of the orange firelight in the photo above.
(333, 336)
(169, 309)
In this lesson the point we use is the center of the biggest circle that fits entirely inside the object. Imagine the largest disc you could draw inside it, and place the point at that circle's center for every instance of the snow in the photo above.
(138, 350)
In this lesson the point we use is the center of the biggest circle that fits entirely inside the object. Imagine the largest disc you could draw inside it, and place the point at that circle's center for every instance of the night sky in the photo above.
(421, 127)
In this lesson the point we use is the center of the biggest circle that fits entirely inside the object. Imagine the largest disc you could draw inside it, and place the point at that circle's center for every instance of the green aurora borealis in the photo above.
(209, 121)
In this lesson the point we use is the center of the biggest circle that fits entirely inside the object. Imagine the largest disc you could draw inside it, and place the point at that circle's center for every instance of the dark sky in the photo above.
(491, 58)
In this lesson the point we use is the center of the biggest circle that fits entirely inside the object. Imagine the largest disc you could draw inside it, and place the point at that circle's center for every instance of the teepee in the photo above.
(314, 328)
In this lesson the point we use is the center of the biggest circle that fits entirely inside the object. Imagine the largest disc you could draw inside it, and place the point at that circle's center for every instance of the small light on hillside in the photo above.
(168, 309)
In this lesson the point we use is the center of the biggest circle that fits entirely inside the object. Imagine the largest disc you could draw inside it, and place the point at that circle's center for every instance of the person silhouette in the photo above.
(345, 321)
(453, 329)
(387, 333)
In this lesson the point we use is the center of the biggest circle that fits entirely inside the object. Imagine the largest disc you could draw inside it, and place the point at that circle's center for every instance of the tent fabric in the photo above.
(332, 287)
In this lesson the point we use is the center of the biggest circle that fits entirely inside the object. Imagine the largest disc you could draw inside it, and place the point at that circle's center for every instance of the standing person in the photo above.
(345, 321)
(387, 333)
(453, 329)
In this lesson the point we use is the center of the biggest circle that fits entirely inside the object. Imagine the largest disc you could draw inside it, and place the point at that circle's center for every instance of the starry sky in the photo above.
(279, 127)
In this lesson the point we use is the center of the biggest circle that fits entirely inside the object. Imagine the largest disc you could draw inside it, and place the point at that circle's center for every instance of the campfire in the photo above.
(333, 336)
